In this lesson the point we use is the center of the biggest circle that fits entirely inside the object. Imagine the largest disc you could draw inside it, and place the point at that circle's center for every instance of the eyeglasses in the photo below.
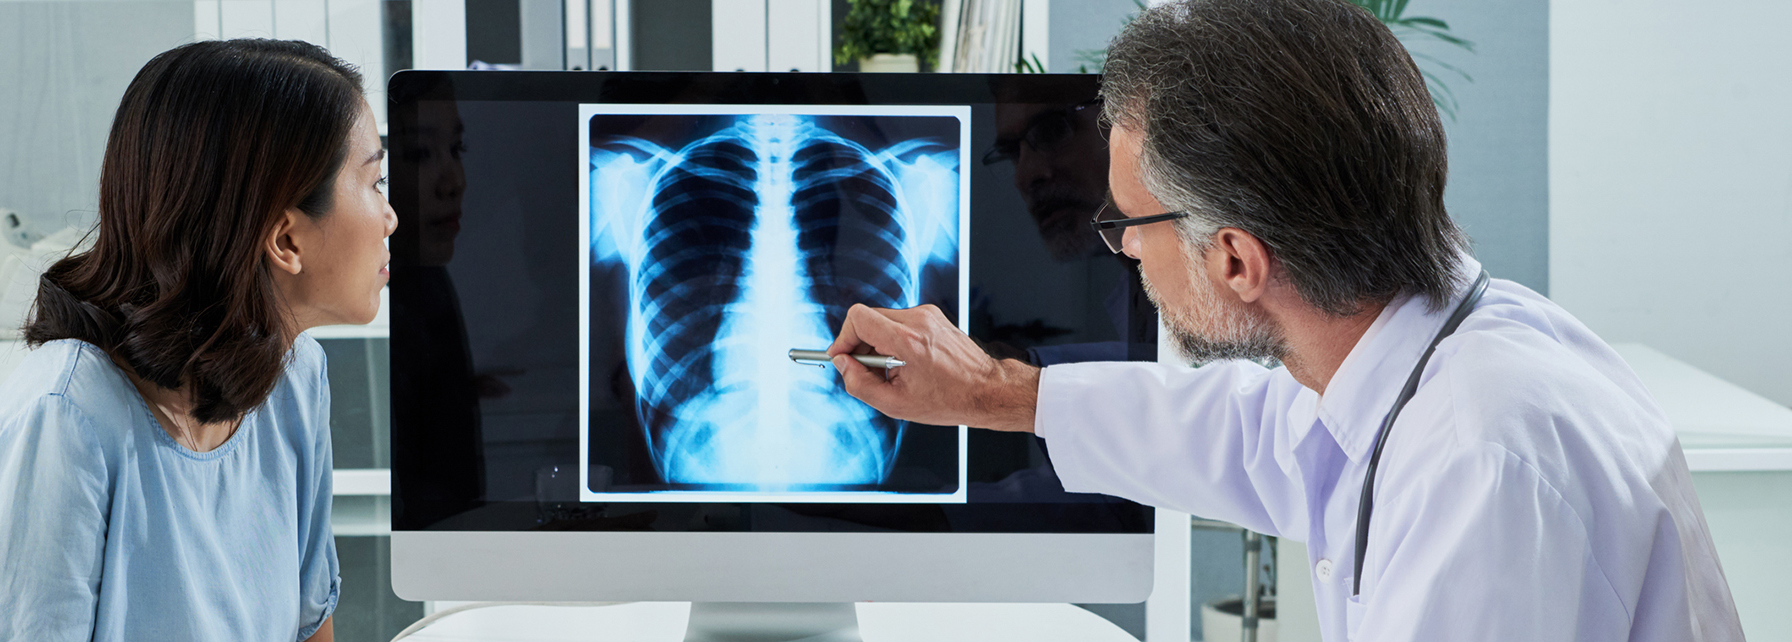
(1111, 224)
(1049, 131)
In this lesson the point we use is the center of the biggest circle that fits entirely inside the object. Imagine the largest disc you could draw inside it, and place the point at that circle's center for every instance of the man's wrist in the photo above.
(1012, 397)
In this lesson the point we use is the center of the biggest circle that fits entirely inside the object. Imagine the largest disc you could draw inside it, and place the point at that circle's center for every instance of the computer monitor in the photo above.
(595, 281)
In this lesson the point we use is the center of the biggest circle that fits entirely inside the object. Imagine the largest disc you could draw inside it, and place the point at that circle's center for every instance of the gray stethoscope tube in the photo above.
(1367, 503)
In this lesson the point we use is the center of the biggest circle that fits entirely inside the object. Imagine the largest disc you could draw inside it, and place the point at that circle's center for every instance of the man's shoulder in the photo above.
(1525, 377)
(1523, 357)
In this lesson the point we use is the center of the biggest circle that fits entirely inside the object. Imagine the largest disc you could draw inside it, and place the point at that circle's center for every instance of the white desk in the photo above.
(665, 622)
(1722, 427)
(1739, 446)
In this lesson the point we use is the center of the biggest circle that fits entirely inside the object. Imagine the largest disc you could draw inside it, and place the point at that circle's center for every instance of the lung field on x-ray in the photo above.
(742, 237)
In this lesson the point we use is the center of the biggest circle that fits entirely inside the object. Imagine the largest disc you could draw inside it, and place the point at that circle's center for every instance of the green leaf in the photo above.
(1446, 66)
(1441, 96)
(890, 26)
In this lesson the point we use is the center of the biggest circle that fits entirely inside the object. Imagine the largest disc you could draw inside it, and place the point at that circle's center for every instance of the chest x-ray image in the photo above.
(717, 239)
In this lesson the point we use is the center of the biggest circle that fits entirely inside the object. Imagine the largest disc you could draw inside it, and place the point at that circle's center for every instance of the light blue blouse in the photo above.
(112, 531)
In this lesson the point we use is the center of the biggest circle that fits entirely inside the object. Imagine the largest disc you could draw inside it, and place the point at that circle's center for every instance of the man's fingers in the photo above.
(848, 339)
(869, 387)
(864, 325)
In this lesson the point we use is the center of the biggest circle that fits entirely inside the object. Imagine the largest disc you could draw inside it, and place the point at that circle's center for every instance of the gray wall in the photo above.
(63, 69)
(1499, 140)
(1082, 25)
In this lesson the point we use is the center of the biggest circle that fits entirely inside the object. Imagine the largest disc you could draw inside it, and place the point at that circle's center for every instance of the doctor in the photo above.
(1278, 168)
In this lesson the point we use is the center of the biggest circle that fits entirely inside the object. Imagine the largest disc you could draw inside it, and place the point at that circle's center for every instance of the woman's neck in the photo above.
(173, 409)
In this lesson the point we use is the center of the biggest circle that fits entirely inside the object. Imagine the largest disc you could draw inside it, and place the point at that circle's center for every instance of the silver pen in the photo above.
(820, 357)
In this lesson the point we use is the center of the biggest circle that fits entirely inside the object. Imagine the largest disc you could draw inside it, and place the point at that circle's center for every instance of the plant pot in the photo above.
(887, 63)
(1222, 620)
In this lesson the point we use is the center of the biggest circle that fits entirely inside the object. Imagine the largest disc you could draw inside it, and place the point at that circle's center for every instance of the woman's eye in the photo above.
(381, 182)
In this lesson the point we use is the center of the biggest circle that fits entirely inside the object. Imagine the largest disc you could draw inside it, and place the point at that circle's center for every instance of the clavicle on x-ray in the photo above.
(728, 237)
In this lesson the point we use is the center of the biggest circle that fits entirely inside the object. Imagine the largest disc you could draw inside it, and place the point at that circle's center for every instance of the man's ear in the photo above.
(1241, 262)
(282, 244)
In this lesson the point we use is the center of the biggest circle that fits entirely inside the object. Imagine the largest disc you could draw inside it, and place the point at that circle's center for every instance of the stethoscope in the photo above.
(1367, 503)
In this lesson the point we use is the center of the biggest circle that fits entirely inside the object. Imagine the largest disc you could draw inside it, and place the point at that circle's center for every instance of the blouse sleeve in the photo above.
(320, 580)
(54, 498)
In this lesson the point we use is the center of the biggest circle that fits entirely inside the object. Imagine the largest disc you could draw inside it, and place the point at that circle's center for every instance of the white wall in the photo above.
(63, 68)
(1671, 180)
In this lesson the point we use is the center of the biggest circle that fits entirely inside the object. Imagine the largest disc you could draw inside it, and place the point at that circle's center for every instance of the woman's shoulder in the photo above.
(67, 376)
(307, 359)
(69, 368)
(307, 370)
(304, 386)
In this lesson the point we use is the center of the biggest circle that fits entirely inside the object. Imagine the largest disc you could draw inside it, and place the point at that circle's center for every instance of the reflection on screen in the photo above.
(727, 237)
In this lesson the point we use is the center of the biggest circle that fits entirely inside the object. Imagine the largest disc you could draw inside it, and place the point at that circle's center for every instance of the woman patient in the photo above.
(165, 449)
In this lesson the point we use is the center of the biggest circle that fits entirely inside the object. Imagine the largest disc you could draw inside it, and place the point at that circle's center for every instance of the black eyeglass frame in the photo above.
(1113, 230)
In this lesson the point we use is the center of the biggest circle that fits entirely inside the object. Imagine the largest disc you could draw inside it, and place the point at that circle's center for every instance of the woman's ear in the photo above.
(282, 244)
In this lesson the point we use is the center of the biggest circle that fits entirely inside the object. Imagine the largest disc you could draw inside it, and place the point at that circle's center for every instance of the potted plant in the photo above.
(890, 35)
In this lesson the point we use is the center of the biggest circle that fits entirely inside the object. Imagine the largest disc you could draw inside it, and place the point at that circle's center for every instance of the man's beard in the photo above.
(1215, 328)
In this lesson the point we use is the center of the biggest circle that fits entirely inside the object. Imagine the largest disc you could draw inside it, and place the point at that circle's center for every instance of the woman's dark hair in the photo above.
(212, 143)
(1302, 122)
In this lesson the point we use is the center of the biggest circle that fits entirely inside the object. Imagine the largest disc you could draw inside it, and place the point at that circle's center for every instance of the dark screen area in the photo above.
(485, 282)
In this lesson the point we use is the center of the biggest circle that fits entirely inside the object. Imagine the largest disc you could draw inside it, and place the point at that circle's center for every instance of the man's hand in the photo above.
(947, 379)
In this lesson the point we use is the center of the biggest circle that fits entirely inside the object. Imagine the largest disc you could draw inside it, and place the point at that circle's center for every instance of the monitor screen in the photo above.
(597, 279)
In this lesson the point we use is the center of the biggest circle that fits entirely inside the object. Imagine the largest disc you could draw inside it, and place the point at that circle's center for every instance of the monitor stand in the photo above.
(773, 622)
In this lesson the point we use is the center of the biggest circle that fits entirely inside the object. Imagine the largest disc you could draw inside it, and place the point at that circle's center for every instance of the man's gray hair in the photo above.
(1302, 122)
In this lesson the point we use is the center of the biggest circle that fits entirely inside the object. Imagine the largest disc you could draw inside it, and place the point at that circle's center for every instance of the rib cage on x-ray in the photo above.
(747, 243)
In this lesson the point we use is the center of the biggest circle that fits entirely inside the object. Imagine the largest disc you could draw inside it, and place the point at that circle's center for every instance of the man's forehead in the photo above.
(1126, 187)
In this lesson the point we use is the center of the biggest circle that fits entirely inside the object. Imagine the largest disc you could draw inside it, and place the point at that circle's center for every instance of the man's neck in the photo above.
(1318, 343)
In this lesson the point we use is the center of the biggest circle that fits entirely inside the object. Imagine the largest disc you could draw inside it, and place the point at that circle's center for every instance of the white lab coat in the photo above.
(1531, 490)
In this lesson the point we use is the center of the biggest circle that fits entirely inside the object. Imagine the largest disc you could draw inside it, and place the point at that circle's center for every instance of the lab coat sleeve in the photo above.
(1482, 549)
(54, 500)
(1202, 441)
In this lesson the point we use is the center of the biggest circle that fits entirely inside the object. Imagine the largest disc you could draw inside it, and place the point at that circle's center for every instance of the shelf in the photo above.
(362, 481)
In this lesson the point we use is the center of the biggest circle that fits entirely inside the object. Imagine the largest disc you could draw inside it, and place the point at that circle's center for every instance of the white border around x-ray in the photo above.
(586, 111)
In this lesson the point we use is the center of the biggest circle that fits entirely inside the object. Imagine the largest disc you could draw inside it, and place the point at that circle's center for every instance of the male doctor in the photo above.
(1278, 168)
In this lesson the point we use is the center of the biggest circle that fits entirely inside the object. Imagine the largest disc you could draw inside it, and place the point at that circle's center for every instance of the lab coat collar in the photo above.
(1366, 384)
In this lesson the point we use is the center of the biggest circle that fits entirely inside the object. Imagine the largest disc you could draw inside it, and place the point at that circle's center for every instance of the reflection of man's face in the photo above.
(1060, 168)
(441, 179)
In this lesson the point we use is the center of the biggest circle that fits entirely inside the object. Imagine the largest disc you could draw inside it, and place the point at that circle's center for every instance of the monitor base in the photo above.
(773, 622)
